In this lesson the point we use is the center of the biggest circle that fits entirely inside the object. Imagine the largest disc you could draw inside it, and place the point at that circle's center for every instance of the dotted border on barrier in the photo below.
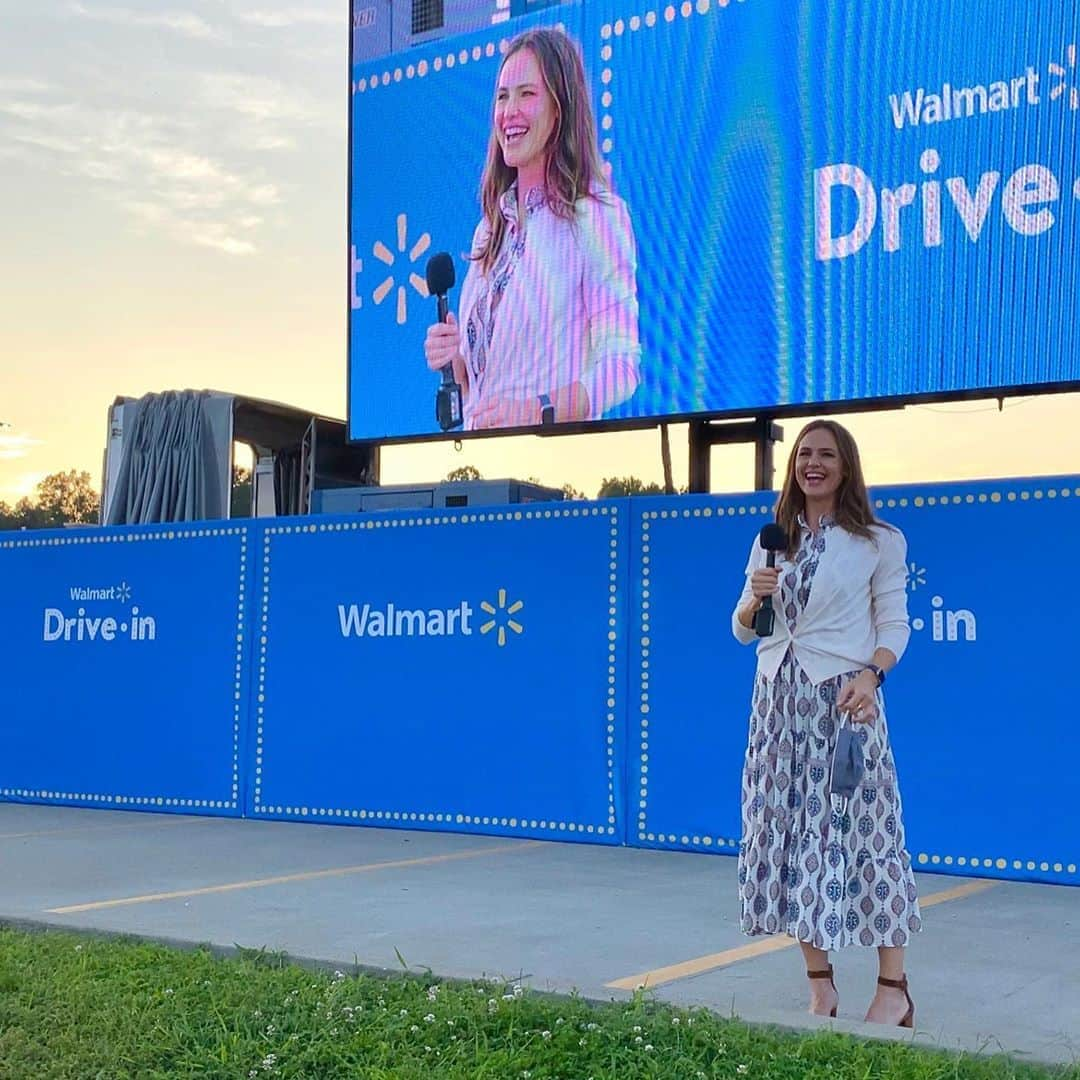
(662, 13)
(371, 815)
(170, 535)
(644, 833)
(970, 498)
(994, 496)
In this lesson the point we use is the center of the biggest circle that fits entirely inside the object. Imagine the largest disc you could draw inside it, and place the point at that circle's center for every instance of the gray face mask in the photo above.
(847, 763)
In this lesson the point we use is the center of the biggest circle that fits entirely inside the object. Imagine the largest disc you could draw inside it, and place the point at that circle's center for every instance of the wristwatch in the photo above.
(547, 410)
(877, 672)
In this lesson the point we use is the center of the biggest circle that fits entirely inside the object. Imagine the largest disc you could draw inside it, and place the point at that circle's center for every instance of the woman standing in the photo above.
(549, 312)
(827, 871)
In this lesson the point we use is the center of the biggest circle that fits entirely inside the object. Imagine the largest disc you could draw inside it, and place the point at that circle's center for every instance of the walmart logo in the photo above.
(916, 576)
(1062, 75)
(501, 618)
(392, 621)
(400, 275)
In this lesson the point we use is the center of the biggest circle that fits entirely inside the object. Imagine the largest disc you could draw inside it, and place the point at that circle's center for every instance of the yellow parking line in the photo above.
(311, 875)
(970, 889)
(684, 970)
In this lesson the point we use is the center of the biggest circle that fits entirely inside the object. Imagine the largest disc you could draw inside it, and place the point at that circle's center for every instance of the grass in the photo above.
(84, 1008)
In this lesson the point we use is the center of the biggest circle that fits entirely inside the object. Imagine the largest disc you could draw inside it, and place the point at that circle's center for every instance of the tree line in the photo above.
(68, 498)
(63, 498)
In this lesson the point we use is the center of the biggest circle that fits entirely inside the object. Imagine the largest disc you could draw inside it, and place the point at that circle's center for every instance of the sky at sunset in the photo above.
(173, 184)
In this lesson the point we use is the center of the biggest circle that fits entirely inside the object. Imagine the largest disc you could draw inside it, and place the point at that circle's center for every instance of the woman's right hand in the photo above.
(765, 582)
(442, 346)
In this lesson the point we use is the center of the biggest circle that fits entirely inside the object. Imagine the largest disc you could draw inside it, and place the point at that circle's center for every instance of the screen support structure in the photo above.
(763, 431)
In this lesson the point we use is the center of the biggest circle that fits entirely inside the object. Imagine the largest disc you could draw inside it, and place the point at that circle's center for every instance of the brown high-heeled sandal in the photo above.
(908, 1020)
(825, 973)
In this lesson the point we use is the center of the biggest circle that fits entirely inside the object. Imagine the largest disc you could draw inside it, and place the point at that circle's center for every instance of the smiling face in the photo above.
(818, 468)
(525, 117)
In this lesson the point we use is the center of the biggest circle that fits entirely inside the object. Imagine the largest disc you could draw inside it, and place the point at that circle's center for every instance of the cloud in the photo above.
(18, 85)
(259, 98)
(152, 167)
(198, 145)
(186, 23)
(293, 17)
(15, 445)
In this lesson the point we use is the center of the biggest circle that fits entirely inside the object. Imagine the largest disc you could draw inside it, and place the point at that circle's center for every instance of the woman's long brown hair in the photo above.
(573, 162)
(853, 511)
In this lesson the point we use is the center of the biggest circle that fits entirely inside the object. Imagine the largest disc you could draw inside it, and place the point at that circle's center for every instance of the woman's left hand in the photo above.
(859, 698)
(503, 413)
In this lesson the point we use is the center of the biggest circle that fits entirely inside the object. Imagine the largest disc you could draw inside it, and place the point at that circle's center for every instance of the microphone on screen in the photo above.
(773, 539)
(440, 280)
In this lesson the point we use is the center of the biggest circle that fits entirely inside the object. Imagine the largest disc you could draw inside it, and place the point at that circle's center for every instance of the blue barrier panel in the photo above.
(980, 708)
(444, 670)
(689, 683)
(126, 671)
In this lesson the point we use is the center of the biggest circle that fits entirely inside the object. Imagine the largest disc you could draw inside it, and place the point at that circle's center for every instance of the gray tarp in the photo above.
(171, 467)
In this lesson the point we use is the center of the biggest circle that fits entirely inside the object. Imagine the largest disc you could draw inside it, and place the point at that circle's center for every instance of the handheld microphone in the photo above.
(773, 539)
(440, 280)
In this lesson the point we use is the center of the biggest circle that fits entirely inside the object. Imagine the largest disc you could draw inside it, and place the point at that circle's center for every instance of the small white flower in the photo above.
(637, 1028)
(333, 1031)
(270, 1029)
(674, 1021)
(689, 1021)
(404, 1012)
(168, 990)
(743, 1068)
(638, 1039)
(581, 1041)
(560, 1020)
(449, 1023)
(545, 1034)
(78, 948)
(339, 975)
(414, 1029)
(591, 1027)
(648, 1046)
(430, 1018)
(433, 993)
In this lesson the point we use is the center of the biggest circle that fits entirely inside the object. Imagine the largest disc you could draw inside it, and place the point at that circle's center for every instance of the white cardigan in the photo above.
(569, 313)
(858, 603)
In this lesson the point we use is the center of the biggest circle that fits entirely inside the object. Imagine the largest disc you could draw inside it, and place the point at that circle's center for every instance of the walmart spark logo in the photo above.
(123, 592)
(1063, 74)
(501, 619)
(385, 255)
(916, 576)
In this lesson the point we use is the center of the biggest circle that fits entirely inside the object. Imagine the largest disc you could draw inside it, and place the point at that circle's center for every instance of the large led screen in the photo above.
(733, 206)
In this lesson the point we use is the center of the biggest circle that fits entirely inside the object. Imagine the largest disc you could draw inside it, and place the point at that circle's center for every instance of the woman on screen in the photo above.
(823, 857)
(548, 318)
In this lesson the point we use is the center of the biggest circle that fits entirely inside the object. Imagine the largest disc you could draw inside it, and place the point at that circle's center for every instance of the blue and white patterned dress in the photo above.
(826, 873)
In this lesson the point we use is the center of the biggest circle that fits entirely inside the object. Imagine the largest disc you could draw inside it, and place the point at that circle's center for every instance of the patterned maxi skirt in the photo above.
(824, 870)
